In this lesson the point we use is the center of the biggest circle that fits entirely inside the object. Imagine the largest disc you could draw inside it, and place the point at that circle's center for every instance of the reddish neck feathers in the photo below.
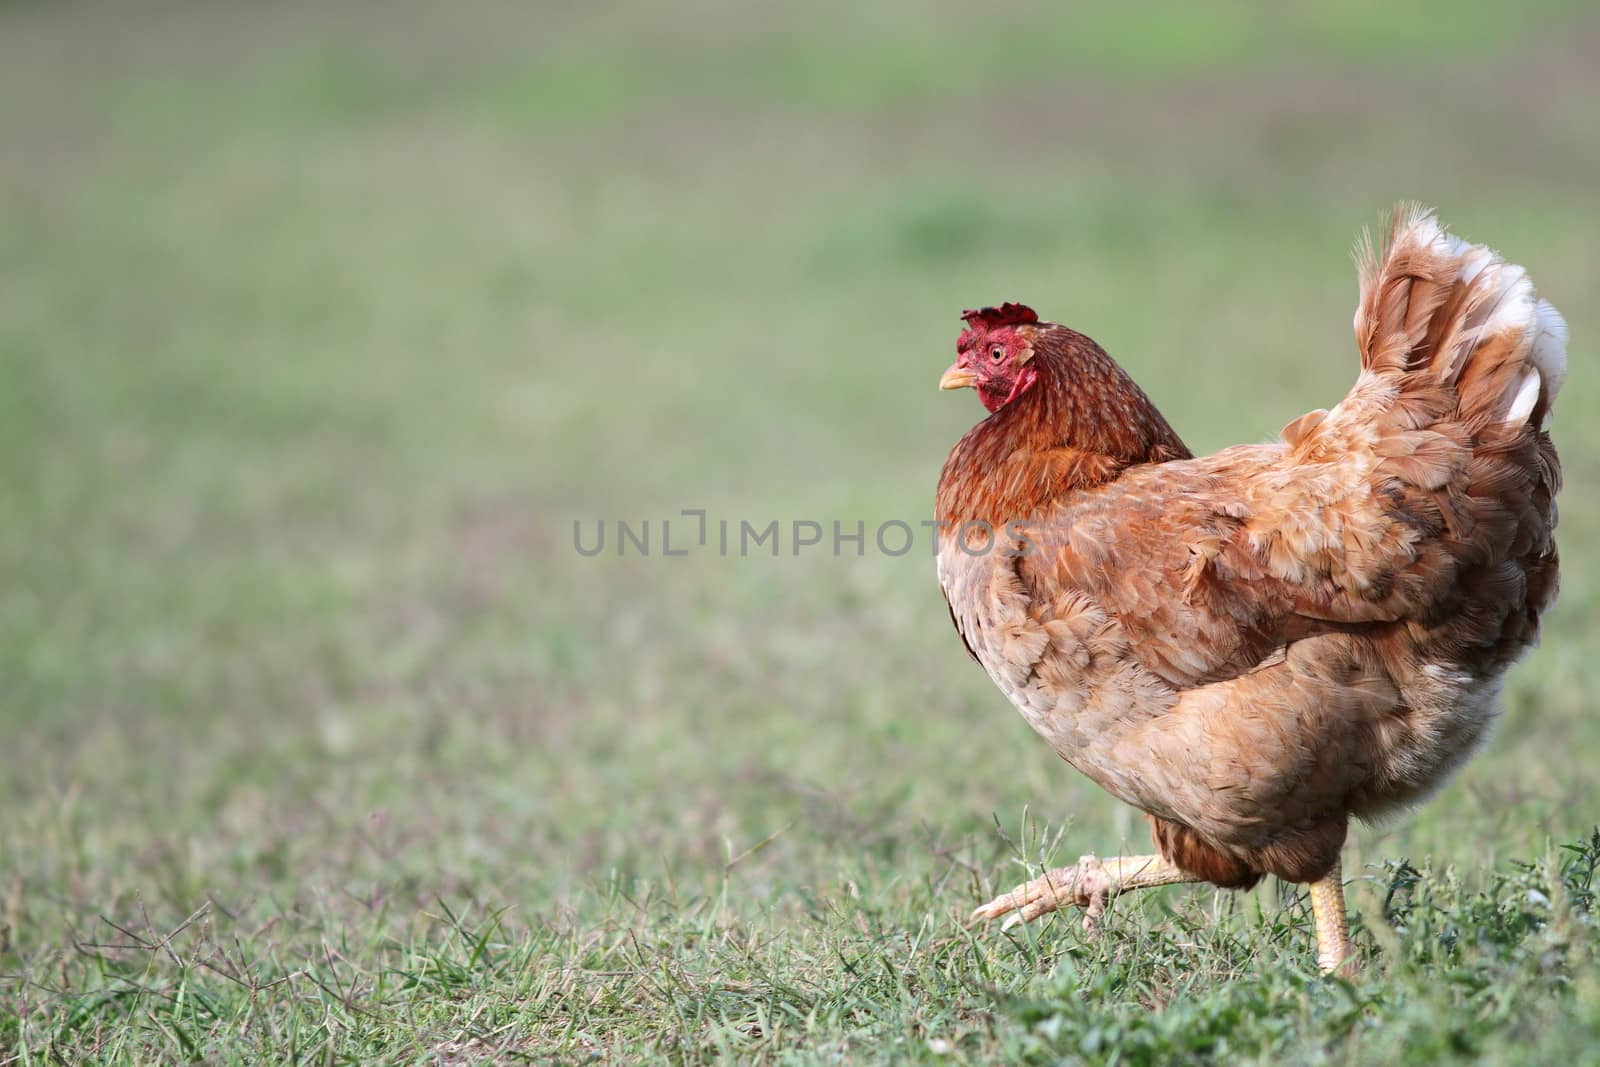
(1080, 423)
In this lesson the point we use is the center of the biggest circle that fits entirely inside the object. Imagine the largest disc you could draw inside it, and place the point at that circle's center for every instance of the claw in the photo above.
(1085, 885)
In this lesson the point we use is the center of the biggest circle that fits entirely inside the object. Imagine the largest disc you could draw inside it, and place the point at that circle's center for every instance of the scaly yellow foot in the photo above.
(1089, 884)
(1335, 953)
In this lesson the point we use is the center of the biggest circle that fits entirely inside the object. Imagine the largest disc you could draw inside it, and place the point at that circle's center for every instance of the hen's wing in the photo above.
(1164, 550)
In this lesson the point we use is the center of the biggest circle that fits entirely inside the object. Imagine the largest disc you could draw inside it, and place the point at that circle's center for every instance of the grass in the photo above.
(320, 327)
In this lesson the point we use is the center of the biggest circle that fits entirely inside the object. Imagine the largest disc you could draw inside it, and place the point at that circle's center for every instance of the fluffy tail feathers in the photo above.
(1458, 331)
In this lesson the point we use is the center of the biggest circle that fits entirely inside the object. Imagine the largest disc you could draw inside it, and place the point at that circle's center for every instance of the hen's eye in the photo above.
(997, 353)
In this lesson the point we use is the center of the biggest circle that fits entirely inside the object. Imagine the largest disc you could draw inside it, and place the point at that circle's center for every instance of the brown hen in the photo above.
(1256, 645)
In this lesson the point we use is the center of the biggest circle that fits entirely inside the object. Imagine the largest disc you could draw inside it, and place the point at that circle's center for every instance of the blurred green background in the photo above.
(320, 324)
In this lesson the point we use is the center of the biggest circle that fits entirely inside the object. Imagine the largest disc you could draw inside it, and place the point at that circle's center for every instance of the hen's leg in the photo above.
(1089, 884)
(1333, 928)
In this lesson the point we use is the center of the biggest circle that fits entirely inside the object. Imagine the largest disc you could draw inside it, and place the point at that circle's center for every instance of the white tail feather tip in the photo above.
(1549, 352)
(1526, 396)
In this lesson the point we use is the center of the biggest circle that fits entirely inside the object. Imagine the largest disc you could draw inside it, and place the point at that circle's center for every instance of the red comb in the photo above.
(1005, 315)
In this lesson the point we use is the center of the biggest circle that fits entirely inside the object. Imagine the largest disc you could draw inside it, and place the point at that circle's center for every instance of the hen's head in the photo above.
(993, 354)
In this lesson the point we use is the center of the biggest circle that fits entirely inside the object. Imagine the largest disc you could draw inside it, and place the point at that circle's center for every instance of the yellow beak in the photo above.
(958, 377)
